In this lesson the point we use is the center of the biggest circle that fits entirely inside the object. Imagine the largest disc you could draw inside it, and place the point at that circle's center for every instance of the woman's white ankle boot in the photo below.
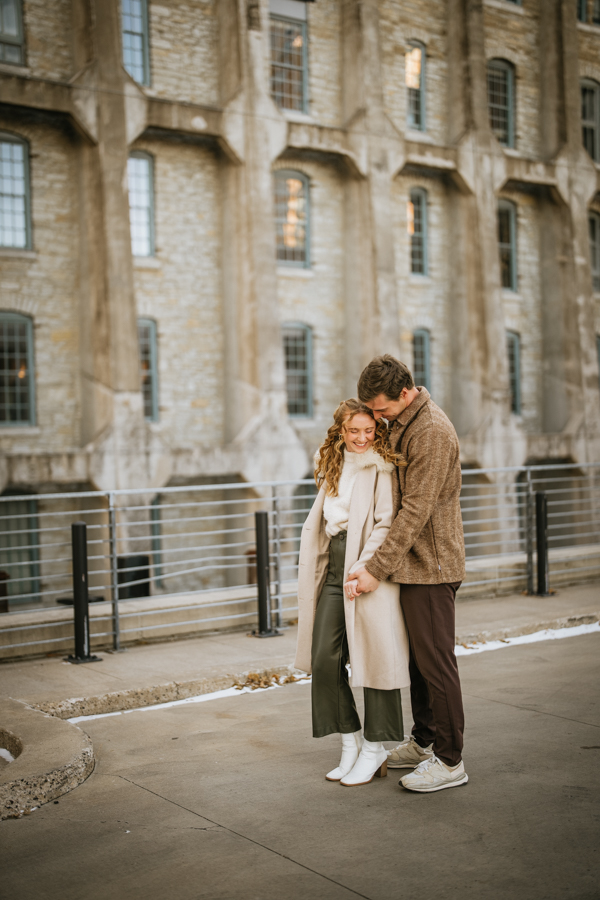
(371, 763)
(351, 744)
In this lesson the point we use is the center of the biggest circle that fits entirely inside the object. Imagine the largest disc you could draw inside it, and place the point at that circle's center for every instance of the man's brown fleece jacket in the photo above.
(425, 544)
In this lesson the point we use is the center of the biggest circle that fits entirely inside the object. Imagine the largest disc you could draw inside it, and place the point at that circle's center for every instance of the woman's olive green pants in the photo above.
(333, 707)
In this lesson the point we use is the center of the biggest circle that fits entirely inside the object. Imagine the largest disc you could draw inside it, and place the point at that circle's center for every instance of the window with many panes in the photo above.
(136, 47)
(594, 226)
(417, 230)
(513, 346)
(421, 358)
(297, 348)
(292, 218)
(17, 406)
(414, 63)
(590, 117)
(582, 10)
(148, 350)
(11, 32)
(501, 100)
(19, 554)
(289, 63)
(140, 174)
(15, 227)
(507, 244)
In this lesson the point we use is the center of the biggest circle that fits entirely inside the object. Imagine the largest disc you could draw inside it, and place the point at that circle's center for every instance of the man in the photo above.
(425, 553)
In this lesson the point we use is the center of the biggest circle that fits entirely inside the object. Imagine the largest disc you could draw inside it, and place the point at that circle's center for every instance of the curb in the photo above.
(51, 758)
(481, 637)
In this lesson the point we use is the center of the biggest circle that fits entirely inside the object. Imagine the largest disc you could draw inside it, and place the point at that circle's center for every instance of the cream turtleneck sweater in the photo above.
(336, 510)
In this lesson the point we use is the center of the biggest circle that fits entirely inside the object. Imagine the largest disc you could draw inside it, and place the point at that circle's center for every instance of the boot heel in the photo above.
(382, 770)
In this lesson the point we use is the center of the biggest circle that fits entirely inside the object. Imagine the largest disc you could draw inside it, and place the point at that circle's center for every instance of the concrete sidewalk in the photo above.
(227, 800)
(157, 673)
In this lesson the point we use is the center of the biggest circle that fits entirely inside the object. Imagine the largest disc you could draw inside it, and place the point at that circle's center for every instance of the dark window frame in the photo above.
(496, 66)
(15, 318)
(293, 330)
(419, 240)
(280, 176)
(150, 397)
(512, 282)
(7, 137)
(422, 336)
(411, 92)
(513, 348)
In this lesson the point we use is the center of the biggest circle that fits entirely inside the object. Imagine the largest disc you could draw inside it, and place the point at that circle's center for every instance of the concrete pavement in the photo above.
(226, 800)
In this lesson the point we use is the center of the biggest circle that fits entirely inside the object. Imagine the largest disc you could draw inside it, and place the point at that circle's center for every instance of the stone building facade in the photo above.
(437, 171)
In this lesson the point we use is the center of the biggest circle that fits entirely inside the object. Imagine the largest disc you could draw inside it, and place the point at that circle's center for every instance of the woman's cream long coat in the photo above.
(377, 637)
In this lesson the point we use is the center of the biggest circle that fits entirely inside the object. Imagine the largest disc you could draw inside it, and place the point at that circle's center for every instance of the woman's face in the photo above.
(359, 433)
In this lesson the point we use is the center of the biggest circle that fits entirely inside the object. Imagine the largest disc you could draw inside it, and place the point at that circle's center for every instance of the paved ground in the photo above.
(226, 800)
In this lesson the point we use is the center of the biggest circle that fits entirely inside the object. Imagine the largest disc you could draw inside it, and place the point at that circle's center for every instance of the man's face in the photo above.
(384, 408)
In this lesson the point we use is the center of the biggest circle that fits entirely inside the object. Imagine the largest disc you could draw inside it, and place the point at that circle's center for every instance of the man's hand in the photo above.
(362, 583)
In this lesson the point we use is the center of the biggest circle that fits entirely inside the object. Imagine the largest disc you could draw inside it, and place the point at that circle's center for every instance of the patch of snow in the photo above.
(7, 755)
(548, 634)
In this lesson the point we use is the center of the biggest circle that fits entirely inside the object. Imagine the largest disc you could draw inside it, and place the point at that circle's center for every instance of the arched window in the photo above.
(501, 100)
(421, 358)
(417, 230)
(594, 224)
(513, 346)
(136, 45)
(590, 117)
(11, 32)
(507, 244)
(15, 214)
(292, 218)
(148, 346)
(17, 398)
(415, 85)
(297, 348)
(140, 175)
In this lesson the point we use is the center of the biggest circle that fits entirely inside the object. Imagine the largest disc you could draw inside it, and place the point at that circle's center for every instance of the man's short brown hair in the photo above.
(384, 375)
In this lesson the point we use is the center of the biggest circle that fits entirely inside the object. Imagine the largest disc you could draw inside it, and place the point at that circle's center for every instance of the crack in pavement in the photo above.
(246, 838)
(542, 712)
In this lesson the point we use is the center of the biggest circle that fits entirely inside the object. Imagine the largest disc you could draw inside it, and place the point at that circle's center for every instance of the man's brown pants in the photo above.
(434, 682)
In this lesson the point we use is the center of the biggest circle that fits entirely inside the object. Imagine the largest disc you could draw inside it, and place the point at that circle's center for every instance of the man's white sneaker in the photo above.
(408, 754)
(434, 775)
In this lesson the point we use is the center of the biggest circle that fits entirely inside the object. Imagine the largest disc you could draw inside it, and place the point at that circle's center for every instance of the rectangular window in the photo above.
(514, 370)
(289, 75)
(421, 359)
(291, 218)
(415, 86)
(507, 245)
(16, 370)
(297, 346)
(11, 32)
(19, 566)
(582, 10)
(148, 346)
(14, 194)
(136, 51)
(501, 101)
(141, 203)
(590, 118)
(417, 230)
(594, 225)
(596, 12)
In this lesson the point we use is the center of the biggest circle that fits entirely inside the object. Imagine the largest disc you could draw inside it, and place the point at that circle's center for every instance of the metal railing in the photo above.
(188, 553)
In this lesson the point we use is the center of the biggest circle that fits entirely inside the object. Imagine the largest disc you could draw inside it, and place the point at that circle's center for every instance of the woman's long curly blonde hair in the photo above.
(328, 467)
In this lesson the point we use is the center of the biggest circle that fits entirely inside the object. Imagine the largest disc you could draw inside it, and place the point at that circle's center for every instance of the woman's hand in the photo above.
(350, 589)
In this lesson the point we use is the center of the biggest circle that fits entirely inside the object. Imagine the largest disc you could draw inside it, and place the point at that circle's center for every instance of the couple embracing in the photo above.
(381, 558)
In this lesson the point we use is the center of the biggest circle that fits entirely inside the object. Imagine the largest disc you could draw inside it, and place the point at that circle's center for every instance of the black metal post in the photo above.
(541, 534)
(80, 596)
(263, 566)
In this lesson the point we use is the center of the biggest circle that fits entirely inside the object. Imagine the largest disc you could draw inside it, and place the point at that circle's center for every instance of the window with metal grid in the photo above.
(19, 553)
(148, 348)
(596, 12)
(507, 244)
(513, 344)
(15, 230)
(421, 358)
(136, 49)
(594, 225)
(297, 347)
(140, 173)
(582, 10)
(16, 370)
(501, 105)
(415, 85)
(292, 218)
(12, 50)
(590, 118)
(417, 230)
(289, 63)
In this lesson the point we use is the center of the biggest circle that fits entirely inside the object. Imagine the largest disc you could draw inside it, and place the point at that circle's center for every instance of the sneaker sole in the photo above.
(395, 765)
(438, 787)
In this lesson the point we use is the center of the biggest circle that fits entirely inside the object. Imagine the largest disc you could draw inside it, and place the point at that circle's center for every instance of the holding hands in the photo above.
(362, 582)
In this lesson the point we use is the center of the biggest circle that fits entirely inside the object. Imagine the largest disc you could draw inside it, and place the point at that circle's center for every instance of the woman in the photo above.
(349, 520)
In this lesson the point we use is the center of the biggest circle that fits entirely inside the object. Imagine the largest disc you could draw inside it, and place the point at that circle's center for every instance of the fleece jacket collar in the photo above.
(408, 414)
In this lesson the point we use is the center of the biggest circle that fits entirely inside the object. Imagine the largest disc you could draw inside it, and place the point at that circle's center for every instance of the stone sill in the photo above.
(421, 280)
(17, 253)
(20, 431)
(505, 5)
(507, 294)
(295, 271)
(589, 27)
(293, 115)
(146, 262)
(16, 69)
(421, 137)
